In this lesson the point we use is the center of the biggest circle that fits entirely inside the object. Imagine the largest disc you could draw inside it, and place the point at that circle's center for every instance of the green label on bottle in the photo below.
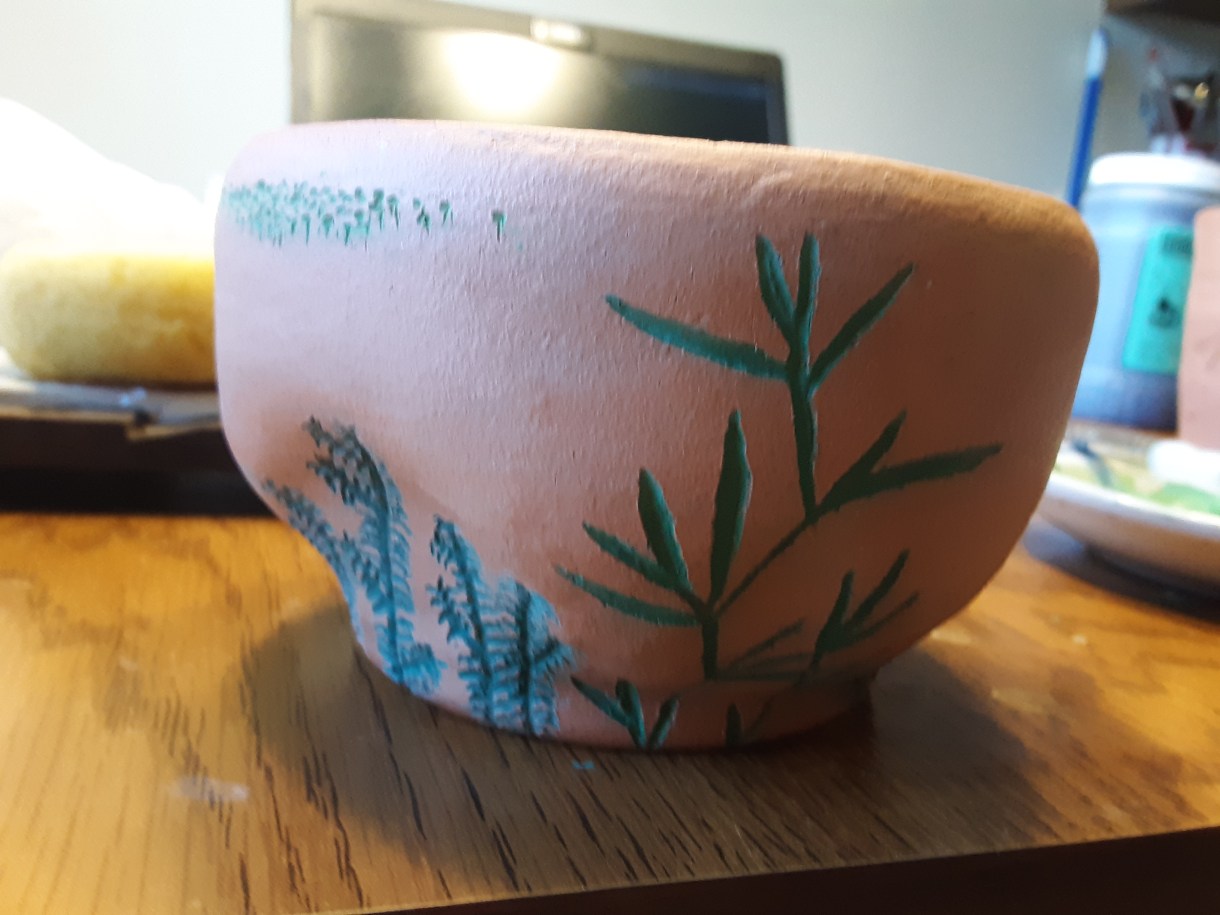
(1154, 339)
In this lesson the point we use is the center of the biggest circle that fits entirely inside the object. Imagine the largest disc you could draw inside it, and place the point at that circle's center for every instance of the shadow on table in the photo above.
(926, 767)
(1052, 546)
(159, 493)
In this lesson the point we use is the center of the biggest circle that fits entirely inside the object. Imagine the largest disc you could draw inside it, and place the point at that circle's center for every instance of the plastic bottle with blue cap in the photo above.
(1140, 208)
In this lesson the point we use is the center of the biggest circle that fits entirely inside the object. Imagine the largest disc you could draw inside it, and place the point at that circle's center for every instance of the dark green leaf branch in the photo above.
(732, 501)
(624, 708)
(865, 480)
(844, 629)
(803, 373)
(753, 664)
(741, 357)
(666, 566)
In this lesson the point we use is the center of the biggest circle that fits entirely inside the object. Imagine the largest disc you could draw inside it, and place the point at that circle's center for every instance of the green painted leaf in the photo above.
(856, 478)
(874, 598)
(843, 629)
(805, 428)
(733, 354)
(804, 416)
(863, 480)
(732, 502)
(856, 327)
(774, 288)
(632, 558)
(838, 613)
(629, 701)
(881, 447)
(665, 721)
(734, 730)
(630, 606)
(833, 629)
(877, 625)
(768, 643)
(807, 290)
(605, 704)
(660, 529)
(922, 470)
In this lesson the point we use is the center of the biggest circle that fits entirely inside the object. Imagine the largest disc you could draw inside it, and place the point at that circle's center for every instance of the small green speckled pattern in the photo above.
(307, 212)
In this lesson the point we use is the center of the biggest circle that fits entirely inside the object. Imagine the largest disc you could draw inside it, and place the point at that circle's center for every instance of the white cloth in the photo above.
(54, 187)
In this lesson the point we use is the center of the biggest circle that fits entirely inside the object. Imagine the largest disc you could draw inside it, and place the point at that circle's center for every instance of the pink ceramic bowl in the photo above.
(639, 441)
(1199, 375)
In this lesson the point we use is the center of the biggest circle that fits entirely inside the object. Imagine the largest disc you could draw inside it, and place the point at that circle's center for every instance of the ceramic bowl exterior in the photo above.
(638, 441)
(1199, 375)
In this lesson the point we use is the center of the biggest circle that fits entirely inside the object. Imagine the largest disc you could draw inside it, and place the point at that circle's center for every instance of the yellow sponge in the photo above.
(70, 313)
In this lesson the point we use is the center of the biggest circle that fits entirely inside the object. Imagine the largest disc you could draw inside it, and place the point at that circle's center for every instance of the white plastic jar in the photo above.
(1140, 208)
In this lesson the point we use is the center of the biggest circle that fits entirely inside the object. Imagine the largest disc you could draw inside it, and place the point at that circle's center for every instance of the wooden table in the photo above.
(184, 727)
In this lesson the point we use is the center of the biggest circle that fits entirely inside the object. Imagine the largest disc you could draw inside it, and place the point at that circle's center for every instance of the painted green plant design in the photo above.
(625, 709)
(802, 373)
(278, 212)
(377, 558)
(845, 628)
(511, 658)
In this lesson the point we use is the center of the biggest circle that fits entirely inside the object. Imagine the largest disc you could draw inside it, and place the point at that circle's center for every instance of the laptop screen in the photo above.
(352, 67)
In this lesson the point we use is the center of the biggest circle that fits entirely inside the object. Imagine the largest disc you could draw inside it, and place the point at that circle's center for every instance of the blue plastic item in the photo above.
(1099, 47)
(1140, 208)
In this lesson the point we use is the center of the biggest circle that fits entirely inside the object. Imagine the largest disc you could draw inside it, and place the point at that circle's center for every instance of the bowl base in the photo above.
(706, 717)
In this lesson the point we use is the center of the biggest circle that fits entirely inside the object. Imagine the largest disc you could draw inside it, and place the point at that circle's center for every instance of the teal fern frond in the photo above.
(380, 553)
(512, 658)
(462, 603)
(526, 658)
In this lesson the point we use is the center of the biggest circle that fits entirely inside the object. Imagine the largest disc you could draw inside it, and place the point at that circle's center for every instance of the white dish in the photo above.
(1103, 494)
(143, 412)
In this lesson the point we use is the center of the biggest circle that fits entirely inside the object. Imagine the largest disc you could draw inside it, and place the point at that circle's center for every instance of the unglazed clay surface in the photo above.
(639, 441)
(1199, 376)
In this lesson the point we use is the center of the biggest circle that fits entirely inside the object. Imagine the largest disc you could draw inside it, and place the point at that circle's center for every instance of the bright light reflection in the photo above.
(501, 74)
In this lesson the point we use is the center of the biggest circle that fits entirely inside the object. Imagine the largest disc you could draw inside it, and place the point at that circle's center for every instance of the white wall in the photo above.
(991, 87)
(171, 87)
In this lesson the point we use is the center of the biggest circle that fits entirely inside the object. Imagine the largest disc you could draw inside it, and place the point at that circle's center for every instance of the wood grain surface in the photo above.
(186, 727)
